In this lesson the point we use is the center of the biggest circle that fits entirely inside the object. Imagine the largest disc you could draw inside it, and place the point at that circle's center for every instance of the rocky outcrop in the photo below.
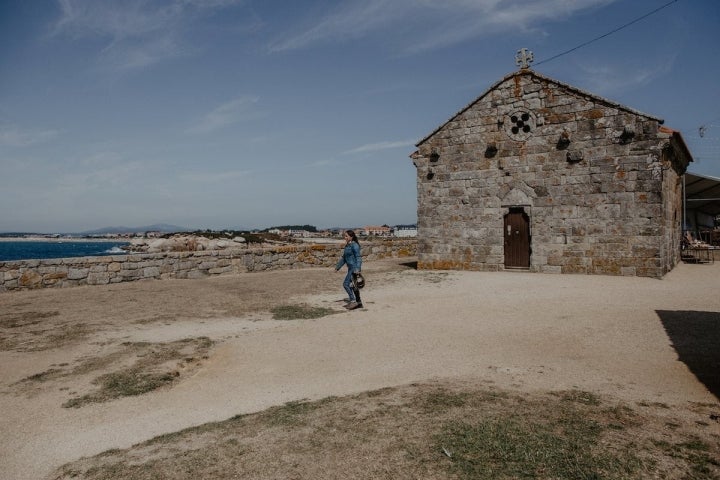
(183, 243)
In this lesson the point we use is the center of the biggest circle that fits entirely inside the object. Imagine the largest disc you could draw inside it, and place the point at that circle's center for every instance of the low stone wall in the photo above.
(69, 272)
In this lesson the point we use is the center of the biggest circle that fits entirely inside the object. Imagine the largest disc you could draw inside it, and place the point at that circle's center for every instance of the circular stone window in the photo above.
(520, 125)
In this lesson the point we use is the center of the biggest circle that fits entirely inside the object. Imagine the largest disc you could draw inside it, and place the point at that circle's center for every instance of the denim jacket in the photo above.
(351, 257)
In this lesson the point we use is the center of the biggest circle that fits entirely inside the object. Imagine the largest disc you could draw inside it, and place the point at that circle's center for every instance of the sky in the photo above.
(236, 114)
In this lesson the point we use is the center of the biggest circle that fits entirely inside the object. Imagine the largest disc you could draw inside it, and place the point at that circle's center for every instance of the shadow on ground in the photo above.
(696, 338)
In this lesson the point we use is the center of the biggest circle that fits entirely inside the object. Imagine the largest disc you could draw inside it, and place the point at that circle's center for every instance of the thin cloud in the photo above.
(116, 20)
(322, 163)
(132, 55)
(609, 79)
(136, 34)
(375, 147)
(214, 177)
(236, 110)
(101, 178)
(351, 20)
(350, 156)
(442, 23)
(15, 137)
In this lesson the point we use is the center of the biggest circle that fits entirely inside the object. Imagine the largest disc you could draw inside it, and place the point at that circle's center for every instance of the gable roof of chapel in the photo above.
(541, 77)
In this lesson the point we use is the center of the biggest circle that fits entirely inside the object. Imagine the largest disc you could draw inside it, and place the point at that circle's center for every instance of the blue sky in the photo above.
(254, 113)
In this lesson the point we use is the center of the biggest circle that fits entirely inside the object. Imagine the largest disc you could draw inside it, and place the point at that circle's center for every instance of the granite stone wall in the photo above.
(600, 183)
(68, 272)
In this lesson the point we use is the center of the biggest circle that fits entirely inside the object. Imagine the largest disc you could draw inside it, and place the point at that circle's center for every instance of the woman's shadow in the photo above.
(696, 339)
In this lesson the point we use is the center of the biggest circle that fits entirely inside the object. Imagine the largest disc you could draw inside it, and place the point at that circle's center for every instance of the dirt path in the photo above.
(634, 338)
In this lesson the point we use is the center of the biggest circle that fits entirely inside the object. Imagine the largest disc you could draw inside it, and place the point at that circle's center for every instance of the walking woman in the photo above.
(351, 257)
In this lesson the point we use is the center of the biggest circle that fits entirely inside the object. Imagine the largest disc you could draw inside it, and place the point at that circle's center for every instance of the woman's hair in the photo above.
(352, 236)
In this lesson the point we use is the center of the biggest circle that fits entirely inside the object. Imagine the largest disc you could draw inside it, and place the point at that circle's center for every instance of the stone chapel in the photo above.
(539, 175)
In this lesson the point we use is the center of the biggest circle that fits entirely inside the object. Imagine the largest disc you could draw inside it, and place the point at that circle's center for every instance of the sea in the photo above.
(38, 249)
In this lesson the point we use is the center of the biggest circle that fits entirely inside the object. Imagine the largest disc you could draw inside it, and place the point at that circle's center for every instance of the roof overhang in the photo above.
(702, 193)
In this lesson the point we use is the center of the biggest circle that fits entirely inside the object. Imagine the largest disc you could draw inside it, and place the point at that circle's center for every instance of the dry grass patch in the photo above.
(133, 368)
(37, 330)
(156, 365)
(300, 312)
(24, 319)
(437, 431)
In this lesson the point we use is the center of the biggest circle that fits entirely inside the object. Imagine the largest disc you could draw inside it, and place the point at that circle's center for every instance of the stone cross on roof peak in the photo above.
(524, 58)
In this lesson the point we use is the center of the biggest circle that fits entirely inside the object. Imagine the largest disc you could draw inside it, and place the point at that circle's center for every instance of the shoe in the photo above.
(351, 305)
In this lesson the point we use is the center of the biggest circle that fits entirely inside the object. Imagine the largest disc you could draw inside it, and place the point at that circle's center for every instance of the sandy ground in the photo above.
(636, 339)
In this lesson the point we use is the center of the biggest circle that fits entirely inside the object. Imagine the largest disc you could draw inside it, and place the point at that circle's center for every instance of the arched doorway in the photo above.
(517, 238)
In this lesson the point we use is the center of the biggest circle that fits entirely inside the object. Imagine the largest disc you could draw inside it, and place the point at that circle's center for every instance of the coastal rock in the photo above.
(183, 243)
(158, 245)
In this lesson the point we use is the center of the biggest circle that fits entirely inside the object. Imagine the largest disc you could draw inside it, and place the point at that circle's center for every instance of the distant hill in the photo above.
(159, 227)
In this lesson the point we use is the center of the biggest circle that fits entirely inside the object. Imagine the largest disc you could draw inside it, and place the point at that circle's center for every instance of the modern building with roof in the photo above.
(538, 175)
(702, 204)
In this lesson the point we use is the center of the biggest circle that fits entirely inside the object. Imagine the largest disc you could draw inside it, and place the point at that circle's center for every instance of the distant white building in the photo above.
(299, 233)
(379, 231)
(405, 231)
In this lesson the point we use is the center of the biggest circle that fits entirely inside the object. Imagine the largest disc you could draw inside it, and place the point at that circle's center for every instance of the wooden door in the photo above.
(517, 239)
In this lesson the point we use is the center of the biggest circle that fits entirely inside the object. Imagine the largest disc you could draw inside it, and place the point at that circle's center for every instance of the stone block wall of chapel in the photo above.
(595, 204)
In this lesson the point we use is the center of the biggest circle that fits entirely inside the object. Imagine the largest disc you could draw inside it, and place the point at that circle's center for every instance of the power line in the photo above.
(607, 34)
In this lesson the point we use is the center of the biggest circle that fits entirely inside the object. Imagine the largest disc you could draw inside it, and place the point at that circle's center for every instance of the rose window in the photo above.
(520, 125)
